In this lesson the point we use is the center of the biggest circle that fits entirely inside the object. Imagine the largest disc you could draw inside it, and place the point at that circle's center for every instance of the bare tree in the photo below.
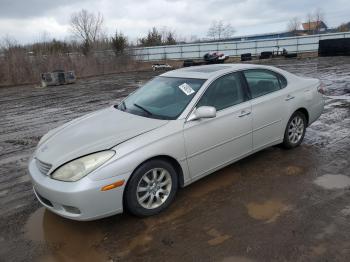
(344, 27)
(318, 17)
(309, 19)
(212, 32)
(88, 27)
(228, 30)
(314, 21)
(293, 25)
(8, 42)
(219, 30)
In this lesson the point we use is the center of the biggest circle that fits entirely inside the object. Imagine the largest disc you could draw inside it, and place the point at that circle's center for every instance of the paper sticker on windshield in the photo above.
(186, 88)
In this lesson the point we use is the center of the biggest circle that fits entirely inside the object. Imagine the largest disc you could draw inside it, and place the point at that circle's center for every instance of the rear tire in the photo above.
(295, 130)
(151, 188)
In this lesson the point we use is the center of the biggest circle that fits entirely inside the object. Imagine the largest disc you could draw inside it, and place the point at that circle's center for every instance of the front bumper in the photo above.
(81, 200)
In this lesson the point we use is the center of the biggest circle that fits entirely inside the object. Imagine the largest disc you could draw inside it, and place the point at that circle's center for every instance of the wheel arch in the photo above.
(304, 111)
(167, 158)
(174, 163)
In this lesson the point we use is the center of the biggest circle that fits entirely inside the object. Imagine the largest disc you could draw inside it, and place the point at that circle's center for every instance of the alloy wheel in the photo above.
(296, 129)
(154, 188)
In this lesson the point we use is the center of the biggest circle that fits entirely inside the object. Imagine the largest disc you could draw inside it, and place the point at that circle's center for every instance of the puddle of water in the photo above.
(333, 181)
(218, 238)
(141, 241)
(268, 211)
(75, 241)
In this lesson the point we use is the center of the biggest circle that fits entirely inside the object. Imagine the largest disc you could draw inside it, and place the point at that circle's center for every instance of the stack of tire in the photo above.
(291, 55)
(246, 57)
(188, 63)
(265, 55)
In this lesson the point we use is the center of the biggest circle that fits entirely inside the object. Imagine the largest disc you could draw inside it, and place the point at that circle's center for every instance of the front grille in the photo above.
(43, 167)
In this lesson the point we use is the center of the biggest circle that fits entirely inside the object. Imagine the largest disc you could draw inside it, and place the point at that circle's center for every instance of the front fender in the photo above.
(164, 141)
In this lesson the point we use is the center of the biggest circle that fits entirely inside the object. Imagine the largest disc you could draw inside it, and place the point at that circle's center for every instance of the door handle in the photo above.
(244, 113)
(289, 97)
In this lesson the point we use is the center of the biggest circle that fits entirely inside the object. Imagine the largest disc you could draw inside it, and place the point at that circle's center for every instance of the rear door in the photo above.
(268, 106)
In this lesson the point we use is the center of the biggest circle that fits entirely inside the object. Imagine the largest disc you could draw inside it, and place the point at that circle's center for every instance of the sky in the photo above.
(29, 21)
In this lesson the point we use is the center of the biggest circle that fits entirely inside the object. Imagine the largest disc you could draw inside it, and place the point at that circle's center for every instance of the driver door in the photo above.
(215, 142)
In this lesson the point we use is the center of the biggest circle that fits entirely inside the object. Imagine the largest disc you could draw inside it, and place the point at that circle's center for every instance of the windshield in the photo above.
(162, 97)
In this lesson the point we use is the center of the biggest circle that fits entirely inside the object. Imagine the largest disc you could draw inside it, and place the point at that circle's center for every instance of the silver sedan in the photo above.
(176, 129)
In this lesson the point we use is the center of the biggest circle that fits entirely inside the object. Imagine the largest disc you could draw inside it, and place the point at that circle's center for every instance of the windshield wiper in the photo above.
(121, 106)
(124, 106)
(143, 109)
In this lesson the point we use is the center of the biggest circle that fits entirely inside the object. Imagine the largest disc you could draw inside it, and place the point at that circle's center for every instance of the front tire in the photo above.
(151, 188)
(295, 130)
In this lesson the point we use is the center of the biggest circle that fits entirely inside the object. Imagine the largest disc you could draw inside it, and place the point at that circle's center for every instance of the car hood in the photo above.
(94, 132)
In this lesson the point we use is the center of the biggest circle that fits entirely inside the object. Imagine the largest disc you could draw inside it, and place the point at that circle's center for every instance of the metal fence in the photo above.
(295, 44)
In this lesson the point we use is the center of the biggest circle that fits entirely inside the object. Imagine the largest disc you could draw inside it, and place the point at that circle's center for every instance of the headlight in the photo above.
(78, 168)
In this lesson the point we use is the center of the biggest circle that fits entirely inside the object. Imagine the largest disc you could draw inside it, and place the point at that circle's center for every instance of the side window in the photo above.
(224, 92)
(261, 82)
(283, 81)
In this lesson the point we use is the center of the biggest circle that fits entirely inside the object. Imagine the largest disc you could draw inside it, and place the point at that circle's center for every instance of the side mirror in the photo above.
(203, 112)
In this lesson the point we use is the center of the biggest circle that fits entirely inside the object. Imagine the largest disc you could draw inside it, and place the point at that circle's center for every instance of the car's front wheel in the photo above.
(151, 188)
(295, 130)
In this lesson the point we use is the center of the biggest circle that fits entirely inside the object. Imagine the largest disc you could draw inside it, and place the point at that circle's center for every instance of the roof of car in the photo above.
(209, 71)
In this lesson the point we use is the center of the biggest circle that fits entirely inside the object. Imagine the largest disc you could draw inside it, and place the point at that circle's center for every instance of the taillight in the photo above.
(321, 88)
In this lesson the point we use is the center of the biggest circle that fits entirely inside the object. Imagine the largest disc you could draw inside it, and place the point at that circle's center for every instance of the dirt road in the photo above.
(276, 205)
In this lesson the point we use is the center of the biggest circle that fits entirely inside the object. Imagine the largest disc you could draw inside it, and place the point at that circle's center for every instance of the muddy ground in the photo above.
(276, 205)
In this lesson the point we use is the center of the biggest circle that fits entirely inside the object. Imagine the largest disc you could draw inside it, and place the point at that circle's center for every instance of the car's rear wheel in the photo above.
(151, 188)
(295, 130)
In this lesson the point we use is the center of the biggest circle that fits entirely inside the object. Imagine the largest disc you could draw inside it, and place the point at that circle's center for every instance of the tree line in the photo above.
(89, 34)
